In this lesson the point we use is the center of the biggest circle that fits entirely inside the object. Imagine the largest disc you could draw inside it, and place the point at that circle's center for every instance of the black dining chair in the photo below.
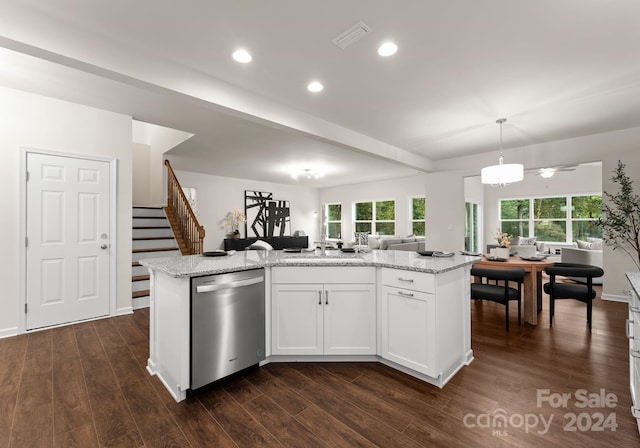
(496, 292)
(582, 292)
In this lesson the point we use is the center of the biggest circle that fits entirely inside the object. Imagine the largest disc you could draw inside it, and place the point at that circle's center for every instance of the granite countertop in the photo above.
(198, 265)
(634, 279)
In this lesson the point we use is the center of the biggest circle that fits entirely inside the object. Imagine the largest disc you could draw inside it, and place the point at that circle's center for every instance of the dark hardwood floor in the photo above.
(85, 385)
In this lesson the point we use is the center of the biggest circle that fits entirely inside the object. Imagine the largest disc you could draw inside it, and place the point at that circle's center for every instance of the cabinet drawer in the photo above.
(415, 281)
(323, 274)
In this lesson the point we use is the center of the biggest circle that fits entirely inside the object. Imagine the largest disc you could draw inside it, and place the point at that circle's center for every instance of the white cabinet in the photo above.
(408, 336)
(633, 333)
(336, 316)
(424, 320)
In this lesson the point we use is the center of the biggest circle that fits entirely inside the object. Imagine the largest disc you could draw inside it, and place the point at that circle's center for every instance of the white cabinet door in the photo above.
(349, 320)
(297, 319)
(633, 332)
(408, 329)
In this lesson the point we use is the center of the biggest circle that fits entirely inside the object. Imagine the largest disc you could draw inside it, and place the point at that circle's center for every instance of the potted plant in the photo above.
(620, 220)
(504, 243)
(232, 221)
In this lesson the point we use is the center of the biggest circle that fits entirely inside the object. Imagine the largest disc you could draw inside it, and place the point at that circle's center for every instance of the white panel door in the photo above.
(68, 252)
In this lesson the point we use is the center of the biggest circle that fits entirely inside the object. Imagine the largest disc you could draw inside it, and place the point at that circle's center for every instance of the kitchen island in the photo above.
(400, 308)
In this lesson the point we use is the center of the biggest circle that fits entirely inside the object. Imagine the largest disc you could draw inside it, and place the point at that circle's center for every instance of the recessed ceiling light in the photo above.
(315, 86)
(242, 56)
(387, 49)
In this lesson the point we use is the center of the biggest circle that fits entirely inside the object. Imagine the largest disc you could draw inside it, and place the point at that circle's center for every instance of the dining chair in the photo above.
(582, 292)
(496, 292)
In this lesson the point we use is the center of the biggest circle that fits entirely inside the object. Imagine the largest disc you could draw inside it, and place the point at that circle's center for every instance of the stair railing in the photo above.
(190, 229)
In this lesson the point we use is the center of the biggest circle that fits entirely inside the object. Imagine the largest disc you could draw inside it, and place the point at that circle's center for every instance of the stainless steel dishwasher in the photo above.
(227, 324)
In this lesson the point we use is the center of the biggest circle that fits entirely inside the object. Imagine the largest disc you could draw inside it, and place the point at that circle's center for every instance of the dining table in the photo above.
(532, 286)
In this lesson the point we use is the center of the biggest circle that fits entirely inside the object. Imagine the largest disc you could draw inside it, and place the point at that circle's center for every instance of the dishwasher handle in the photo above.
(208, 287)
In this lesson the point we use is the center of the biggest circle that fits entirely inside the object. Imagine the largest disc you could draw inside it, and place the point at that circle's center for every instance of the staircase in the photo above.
(152, 238)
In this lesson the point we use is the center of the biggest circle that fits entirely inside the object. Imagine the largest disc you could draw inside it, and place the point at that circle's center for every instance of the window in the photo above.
(472, 222)
(555, 219)
(514, 217)
(550, 219)
(418, 216)
(375, 217)
(585, 211)
(334, 221)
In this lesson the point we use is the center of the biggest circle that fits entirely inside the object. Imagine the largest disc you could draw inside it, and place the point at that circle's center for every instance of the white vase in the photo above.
(502, 252)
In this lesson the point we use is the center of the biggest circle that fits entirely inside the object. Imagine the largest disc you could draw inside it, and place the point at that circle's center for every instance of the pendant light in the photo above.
(502, 173)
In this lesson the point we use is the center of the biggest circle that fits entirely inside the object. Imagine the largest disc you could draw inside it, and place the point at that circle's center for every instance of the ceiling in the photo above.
(555, 70)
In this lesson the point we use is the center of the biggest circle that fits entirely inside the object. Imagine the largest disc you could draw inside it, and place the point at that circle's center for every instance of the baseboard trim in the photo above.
(615, 298)
(140, 302)
(8, 332)
(123, 311)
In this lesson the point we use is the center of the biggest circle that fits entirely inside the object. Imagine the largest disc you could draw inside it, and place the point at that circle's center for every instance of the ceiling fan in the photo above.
(550, 171)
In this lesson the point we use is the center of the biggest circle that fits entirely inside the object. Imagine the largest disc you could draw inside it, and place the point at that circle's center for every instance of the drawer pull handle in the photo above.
(326, 297)
(410, 280)
(634, 353)
(634, 309)
(635, 412)
(408, 294)
(319, 297)
(626, 328)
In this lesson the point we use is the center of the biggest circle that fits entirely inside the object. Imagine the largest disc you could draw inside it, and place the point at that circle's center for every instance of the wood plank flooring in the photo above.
(85, 385)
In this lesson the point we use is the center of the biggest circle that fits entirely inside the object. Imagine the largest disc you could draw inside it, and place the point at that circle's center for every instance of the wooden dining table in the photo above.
(532, 282)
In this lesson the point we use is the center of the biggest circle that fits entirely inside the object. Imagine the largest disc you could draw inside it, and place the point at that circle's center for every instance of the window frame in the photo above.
(373, 220)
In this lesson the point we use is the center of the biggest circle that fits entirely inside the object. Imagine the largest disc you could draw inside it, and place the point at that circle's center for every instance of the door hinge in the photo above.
(26, 241)
(25, 308)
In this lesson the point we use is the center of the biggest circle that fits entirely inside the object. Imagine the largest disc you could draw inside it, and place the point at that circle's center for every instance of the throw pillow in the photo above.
(596, 244)
(361, 238)
(374, 242)
(522, 241)
(583, 244)
(408, 239)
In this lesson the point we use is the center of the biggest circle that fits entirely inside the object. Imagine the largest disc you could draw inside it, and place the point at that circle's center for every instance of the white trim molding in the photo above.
(615, 298)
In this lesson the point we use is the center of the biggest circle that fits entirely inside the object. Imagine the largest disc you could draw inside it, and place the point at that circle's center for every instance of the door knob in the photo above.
(103, 246)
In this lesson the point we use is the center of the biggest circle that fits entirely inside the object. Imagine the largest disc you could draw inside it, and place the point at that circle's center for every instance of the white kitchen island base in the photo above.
(408, 312)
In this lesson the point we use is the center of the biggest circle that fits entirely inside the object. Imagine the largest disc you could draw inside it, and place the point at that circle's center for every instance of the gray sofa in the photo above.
(411, 242)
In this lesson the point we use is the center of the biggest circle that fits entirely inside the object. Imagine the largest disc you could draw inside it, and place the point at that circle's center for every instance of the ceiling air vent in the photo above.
(352, 35)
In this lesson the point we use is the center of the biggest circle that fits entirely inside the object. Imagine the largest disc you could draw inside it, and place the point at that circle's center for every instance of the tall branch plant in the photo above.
(620, 220)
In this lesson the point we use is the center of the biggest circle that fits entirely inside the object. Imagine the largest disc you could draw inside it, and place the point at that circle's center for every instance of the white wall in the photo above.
(141, 183)
(39, 122)
(219, 195)
(401, 190)
(445, 211)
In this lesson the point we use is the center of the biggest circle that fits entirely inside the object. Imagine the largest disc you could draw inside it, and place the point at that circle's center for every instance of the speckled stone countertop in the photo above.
(198, 265)
(634, 279)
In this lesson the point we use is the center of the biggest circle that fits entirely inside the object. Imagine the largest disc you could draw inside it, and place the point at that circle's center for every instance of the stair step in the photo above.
(137, 294)
(155, 249)
(142, 212)
(151, 227)
(142, 238)
(135, 263)
(149, 221)
(137, 278)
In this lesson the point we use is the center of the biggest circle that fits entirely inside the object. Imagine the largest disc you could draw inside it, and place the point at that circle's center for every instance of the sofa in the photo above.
(410, 242)
(587, 254)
